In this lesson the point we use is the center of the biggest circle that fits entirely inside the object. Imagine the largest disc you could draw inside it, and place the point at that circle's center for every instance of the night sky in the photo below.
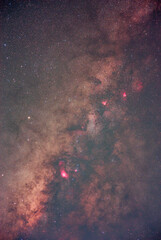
(80, 153)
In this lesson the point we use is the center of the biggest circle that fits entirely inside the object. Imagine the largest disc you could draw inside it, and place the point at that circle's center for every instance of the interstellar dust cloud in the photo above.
(80, 120)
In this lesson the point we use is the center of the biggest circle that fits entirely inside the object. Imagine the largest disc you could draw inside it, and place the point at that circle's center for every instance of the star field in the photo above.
(80, 120)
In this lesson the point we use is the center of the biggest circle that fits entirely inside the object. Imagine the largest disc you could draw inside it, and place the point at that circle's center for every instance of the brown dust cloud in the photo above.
(79, 120)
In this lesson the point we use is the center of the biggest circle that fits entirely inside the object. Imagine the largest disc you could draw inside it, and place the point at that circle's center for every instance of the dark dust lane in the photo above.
(79, 120)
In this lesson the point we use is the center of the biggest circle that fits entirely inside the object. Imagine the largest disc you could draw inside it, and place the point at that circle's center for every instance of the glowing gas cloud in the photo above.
(79, 120)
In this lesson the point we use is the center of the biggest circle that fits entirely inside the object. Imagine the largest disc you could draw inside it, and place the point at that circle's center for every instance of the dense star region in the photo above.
(79, 120)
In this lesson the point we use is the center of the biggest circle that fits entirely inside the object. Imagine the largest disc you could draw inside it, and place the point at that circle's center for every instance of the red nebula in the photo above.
(104, 102)
(124, 95)
(64, 174)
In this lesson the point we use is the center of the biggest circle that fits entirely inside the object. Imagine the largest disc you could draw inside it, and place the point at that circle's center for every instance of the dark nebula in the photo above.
(80, 120)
